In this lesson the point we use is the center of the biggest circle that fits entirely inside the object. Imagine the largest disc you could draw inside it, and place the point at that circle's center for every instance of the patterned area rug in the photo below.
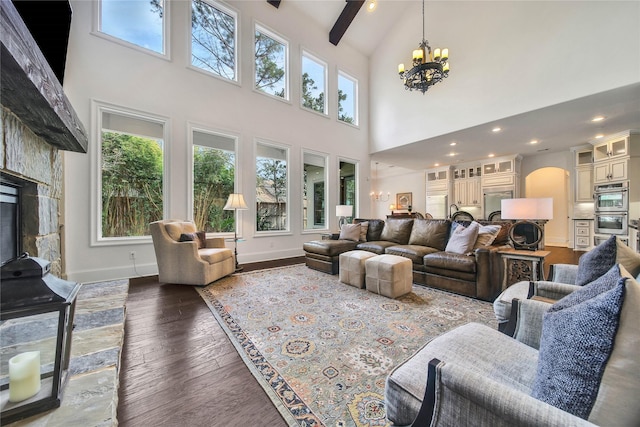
(322, 349)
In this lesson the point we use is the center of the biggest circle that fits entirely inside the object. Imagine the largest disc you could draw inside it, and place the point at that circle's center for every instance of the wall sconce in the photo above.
(342, 212)
(530, 214)
(36, 314)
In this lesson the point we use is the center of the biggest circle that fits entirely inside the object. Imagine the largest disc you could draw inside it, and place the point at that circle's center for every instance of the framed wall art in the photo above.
(403, 201)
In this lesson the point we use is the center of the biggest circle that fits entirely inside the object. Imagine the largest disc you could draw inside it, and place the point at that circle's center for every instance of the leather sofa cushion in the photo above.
(397, 231)
(329, 247)
(430, 232)
(375, 228)
(415, 253)
(449, 261)
(375, 247)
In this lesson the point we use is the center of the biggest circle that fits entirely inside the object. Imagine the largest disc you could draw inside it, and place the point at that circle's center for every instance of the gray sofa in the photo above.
(423, 241)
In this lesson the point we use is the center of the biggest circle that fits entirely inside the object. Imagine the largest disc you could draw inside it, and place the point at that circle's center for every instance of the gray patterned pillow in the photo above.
(596, 262)
(578, 333)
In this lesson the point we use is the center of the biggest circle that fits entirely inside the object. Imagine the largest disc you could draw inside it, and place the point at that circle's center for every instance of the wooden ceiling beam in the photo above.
(344, 20)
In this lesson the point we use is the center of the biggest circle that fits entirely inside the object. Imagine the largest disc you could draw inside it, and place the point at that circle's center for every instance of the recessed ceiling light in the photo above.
(372, 5)
(533, 141)
(492, 155)
(598, 136)
(453, 144)
(451, 154)
(437, 164)
(496, 129)
(597, 119)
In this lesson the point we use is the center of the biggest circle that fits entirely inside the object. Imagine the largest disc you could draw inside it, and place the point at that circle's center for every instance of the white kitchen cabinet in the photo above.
(584, 184)
(611, 149)
(582, 234)
(467, 192)
(611, 170)
(438, 179)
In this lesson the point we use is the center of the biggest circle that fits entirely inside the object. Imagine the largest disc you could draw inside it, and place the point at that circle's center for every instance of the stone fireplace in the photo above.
(33, 168)
(37, 123)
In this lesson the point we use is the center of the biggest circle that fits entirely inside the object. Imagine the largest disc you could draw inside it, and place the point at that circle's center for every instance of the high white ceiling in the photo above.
(556, 128)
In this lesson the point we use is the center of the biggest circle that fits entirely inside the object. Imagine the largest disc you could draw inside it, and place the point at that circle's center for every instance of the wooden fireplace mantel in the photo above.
(30, 89)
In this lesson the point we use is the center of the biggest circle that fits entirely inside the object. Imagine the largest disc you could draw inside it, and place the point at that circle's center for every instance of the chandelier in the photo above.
(379, 197)
(428, 69)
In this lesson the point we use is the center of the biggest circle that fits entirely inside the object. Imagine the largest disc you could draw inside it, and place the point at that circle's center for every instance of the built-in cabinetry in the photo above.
(610, 160)
(438, 179)
(633, 237)
(501, 172)
(467, 190)
(584, 176)
(582, 234)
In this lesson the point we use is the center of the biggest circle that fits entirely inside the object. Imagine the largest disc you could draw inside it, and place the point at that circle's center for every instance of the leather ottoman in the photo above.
(389, 275)
(352, 267)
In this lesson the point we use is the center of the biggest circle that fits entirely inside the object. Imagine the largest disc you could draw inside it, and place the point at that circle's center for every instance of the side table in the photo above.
(522, 265)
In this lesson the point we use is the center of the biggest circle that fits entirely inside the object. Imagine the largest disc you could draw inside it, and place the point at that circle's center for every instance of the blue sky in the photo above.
(133, 21)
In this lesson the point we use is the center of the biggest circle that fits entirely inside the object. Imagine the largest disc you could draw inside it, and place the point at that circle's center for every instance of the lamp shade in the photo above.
(344, 210)
(235, 201)
(528, 208)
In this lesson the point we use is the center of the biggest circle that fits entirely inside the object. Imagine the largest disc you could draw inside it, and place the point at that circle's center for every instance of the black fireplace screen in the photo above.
(9, 222)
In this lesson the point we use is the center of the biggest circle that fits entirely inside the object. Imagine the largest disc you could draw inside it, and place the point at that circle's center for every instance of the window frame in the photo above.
(287, 149)
(325, 156)
(356, 102)
(306, 54)
(191, 128)
(224, 8)
(98, 108)
(166, 25)
(257, 26)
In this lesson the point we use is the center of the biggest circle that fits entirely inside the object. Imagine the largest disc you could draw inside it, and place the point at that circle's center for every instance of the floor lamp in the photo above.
(235, 202)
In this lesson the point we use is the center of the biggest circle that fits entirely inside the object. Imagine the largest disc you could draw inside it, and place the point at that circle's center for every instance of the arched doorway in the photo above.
(552, 182)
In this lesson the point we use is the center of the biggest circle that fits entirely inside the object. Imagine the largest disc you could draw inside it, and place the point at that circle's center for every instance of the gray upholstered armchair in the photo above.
(189, 262)
(475, 375)
(561, 282)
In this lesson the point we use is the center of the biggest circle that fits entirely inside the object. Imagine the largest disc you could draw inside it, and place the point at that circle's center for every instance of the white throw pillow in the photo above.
(350, 232)
(462, 239)
(486, 235)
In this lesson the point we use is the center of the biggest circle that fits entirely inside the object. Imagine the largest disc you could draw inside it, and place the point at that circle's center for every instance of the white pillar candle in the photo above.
(24, 376)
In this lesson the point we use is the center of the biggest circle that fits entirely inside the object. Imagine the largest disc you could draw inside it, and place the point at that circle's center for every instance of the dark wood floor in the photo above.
(180, 369)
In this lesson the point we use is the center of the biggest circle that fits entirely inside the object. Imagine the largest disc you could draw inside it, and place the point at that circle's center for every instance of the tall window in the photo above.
(348, 185)
(214, 38)
(272, 57)
(347, 98)
(140, 22)
(214, 165)
(314, 82)
(314, 190)
(131, 174)
(272, 187)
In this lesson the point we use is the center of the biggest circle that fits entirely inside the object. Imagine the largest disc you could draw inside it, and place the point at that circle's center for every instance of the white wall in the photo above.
(99, 69)
(507, 57)
(395, 179)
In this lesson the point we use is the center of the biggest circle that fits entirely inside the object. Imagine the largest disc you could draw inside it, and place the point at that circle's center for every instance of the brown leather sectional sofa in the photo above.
(478, 275)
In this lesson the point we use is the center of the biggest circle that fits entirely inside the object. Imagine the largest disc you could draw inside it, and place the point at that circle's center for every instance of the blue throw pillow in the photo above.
(578, 333)
(596, 262)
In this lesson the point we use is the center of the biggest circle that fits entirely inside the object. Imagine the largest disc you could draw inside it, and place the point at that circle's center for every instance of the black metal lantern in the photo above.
(36, 323)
